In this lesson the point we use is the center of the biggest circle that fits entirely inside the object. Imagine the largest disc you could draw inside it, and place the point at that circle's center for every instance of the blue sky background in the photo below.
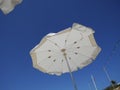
(24, 27)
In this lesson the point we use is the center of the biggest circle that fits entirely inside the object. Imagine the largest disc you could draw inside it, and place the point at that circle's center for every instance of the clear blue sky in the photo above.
(24, 27)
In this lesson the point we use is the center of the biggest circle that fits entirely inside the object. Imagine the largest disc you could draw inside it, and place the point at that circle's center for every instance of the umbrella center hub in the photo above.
(63, 50)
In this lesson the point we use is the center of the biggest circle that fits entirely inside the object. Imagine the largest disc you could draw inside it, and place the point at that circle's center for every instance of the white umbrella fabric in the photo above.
(65, 51)
(8, 5)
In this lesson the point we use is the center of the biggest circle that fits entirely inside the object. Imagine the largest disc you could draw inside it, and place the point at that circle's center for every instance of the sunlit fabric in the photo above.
(8, 5)
(74, 47)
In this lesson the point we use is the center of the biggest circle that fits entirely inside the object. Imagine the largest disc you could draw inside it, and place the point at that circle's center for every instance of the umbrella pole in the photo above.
(94, 83)
(108, 77)
(71, 75)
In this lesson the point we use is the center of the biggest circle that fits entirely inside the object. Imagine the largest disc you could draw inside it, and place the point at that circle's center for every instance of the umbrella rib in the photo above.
(50, 67)
(76, 40)
(71, 51)
(72, 44)
(53, 54)
(85, 55)
(48, 50)
(43, 60)
(46, 58)
(66, 38)
(73, 62)
(52, 64)
(61, 66)
(54, 43)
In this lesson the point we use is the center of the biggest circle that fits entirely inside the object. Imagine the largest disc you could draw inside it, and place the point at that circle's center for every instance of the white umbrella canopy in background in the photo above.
(8, 5)
(65, 51)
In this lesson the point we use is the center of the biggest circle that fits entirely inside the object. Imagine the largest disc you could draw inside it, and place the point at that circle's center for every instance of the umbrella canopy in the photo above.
(8, 5)
(65, 51)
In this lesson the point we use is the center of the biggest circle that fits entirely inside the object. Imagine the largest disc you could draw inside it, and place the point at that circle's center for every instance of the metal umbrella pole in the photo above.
(71, 75)
(94, 83)
(108, 77)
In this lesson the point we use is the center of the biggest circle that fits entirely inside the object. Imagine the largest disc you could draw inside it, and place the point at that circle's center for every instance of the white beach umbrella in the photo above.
(65, 51)
(8, 5)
